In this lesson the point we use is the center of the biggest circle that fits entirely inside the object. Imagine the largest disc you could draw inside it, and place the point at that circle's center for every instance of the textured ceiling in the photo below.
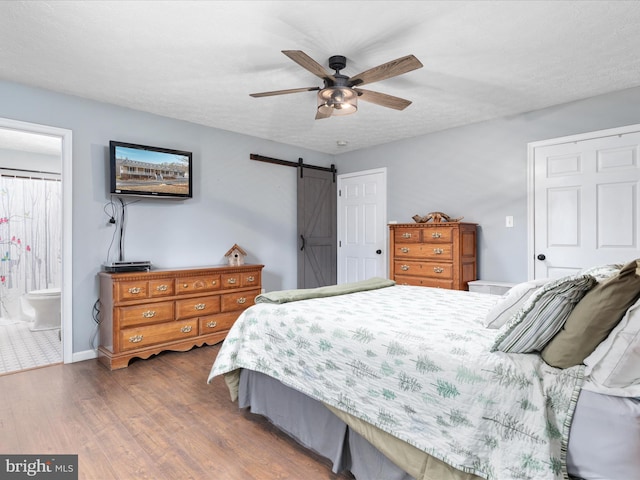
(198, 61)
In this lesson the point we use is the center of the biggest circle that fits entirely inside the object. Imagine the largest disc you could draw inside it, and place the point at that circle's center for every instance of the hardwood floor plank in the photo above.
(157, 419)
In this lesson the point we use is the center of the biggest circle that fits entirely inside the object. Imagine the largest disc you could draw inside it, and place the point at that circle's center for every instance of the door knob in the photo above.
(378, 252)
(541, 257)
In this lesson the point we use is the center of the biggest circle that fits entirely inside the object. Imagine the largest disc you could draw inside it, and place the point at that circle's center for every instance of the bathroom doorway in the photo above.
(35, 249)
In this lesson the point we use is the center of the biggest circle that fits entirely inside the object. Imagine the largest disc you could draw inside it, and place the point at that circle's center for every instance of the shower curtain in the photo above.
(30, 237)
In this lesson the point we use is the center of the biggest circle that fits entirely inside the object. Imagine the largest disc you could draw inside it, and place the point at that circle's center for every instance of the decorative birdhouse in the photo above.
(236, 255)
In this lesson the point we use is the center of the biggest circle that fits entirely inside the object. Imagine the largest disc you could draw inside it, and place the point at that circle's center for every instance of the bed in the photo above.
(401, 382)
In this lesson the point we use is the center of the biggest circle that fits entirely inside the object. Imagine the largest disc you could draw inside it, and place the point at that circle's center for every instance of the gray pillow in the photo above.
(542, 315)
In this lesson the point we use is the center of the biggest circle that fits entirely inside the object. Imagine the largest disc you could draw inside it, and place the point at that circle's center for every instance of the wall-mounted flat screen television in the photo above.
(141, 170)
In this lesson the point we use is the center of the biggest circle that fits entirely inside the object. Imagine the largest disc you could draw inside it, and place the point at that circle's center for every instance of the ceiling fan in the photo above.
(341, 93)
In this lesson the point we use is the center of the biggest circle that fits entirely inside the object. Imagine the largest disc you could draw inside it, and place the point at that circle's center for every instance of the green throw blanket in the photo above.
(284, 296)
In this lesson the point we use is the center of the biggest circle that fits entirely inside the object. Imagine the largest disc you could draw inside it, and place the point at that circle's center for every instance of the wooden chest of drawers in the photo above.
(145, 313)
(439, 255)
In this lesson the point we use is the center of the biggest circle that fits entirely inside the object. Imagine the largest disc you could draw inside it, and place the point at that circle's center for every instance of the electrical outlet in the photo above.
(508, 221)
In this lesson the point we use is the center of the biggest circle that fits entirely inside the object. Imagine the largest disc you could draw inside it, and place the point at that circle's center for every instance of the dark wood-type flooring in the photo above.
(157, 419)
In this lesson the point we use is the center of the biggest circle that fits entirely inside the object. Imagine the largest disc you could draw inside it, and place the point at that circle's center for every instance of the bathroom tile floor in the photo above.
(21, 349)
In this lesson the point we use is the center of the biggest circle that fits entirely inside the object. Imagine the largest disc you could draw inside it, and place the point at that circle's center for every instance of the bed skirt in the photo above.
(349, 443)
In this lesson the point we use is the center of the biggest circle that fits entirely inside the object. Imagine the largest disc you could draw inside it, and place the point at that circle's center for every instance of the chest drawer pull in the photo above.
(200, 306)
(438, 269)
(436, 235)
(404, 250)
(251, 278)
(438, 251)
(404, 267)
(241, 300)
(186, 329)
(212, 324)
(232, 281)
(161, 288)
(406, 235)
(213, 282)
(135, 339)
(135, 290)
(149, 314)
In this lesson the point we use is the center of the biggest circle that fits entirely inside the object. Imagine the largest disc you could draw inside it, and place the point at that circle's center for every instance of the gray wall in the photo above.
(480, 172)
(236, 200)
(477, 171)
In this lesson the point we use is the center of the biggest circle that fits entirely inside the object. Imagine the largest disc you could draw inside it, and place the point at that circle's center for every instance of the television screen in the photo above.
(141, 170)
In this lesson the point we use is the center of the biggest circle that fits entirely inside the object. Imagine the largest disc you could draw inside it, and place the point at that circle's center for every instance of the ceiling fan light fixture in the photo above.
(337, 101)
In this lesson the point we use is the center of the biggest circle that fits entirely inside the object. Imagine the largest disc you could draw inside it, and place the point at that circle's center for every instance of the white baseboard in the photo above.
(86, 355)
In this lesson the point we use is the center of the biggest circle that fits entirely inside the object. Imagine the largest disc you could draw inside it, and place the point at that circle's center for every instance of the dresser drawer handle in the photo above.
(149, 314)
(212, 324)
(406, 235)
(213, 282)
(251, 278)
(242, 300)
(404, 267)
(200, 306)
(135, 339)
(186, 329)
(185, 285)
(135, 290)
(438, 269)
(161, 288)
(232, 281)
(436, 235)
(404, 250)
(438, 251)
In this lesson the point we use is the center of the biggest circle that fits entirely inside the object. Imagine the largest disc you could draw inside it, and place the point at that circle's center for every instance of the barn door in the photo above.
(586, 201)
(316, 228)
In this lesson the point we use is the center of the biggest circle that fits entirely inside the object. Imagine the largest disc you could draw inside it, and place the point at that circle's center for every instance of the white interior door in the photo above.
(585, 201)
(362, 225)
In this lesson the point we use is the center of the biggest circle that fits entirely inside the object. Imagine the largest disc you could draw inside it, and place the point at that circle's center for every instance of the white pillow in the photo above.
(614, 366)
(511, 302)
(603, 272)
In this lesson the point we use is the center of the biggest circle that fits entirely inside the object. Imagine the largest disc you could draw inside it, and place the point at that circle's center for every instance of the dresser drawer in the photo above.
(135, 338)
(251, 279)
(217, 323)
(161, 288)
(142, 314)
(424, 269)
(238, 301)
(437, 234)
(202, 283)
(133, 290)
(425, 250)
(231, 280)
(407, 235)
(196, 307)
(423, 282)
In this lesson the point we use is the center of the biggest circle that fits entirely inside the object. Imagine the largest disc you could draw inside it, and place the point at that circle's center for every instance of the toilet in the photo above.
(43, 308)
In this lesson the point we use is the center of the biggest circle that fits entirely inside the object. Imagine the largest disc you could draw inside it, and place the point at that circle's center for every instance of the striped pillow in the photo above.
(542, 315)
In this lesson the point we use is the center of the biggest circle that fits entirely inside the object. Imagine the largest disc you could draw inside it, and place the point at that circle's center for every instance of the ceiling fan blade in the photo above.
(382, 99)
(308, 63)
(283, 92)
(320, 116)
(386, 70)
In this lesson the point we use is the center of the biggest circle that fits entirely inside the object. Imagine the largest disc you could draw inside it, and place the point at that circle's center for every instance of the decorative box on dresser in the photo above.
(439, 255)
(145, 313)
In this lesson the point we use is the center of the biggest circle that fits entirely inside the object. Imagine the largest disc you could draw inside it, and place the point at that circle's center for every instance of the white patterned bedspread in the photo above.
(415, 362)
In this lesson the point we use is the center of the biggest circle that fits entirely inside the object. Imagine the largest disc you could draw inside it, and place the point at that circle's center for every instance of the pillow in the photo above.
(593, 318)
(614, 366)
(603, 272)
(542, 315)
(511, 302)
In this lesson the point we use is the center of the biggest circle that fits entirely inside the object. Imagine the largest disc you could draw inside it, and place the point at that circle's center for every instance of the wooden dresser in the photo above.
(439, 255)
(144, 313)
